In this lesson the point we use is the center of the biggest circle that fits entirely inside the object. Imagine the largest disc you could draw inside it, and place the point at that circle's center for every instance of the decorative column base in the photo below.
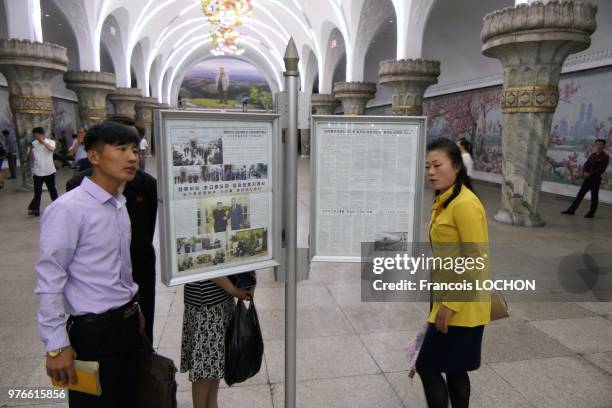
(91, 88)
(29, 68)
(324, 104)
(408, 79)
(354, 96)
(144, 117)
(531, 42)
(124, 100)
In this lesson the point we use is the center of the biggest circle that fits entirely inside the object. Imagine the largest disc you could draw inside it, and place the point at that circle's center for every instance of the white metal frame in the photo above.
(170, 274)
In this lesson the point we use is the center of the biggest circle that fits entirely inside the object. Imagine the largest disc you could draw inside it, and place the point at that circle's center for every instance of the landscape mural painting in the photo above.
(584, 114)
(200, 87)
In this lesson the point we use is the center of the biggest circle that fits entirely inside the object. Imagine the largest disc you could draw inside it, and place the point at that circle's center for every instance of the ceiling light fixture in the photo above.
(227, 12)
(226, 15)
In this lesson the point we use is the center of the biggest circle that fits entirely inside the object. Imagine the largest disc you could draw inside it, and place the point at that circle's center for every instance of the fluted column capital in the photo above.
(354, 95)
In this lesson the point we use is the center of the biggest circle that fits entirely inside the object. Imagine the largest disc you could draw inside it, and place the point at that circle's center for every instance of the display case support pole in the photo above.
(291, 80)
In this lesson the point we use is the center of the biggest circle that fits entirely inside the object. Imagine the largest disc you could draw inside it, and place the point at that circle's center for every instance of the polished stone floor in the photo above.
(350, 353)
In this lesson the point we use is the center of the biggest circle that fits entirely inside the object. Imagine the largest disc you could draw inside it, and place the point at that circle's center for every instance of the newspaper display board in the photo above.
(367, 176)
(218, 183)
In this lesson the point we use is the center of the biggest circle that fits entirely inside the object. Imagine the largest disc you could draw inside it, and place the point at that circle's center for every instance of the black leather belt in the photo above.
(121, 313)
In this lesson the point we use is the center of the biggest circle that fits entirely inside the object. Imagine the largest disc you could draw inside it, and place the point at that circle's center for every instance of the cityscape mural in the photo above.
(583, 115)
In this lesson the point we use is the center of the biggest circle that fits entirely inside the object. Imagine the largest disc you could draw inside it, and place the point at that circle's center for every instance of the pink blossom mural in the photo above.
(584, 114)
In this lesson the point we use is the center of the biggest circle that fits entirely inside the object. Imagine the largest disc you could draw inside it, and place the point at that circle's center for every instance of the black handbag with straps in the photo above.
(156, 378)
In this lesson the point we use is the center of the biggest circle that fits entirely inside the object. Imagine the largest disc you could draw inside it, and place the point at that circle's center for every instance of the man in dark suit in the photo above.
(236, 215)
(220, 218)
(141, 203)
(593, 169)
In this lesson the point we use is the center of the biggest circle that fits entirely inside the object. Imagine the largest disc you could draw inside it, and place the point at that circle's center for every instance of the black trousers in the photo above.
(115, 345)
(591, 184)
(145, 278)
(38, 183)
(12, 163)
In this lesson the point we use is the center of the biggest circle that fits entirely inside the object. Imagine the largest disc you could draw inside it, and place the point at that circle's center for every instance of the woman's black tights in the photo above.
(438, 392)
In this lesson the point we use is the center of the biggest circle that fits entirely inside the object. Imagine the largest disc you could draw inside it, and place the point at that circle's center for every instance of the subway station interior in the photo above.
(528, 84)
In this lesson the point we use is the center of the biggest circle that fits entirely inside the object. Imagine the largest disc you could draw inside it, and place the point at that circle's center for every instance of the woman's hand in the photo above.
(442, 318)
(241, 294)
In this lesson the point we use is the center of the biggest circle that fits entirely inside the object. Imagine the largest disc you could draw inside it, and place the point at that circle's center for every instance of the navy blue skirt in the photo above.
(457, 350)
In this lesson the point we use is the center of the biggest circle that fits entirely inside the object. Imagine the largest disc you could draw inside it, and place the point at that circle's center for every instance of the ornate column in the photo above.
(409, 79)
(144, 116)
(354, 96)
(124, 100)
(531, 41)
(324, 104)
(91, 88)
(29, 68)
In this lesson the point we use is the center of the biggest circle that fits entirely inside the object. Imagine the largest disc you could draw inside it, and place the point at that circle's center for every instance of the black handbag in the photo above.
(243, 344)
(156, 378)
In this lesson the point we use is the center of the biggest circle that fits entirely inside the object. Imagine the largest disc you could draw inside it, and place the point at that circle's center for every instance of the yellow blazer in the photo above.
(462, 221)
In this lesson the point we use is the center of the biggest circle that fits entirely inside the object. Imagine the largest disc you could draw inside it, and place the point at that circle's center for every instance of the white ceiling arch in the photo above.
(169, 24)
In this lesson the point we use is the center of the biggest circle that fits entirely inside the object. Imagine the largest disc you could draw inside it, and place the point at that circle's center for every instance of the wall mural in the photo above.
(224, 83)
(6, 116)
(583, 115)
(64, 117)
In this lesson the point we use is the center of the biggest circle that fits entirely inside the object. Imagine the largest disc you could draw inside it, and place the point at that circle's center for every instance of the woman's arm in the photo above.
(229, 287)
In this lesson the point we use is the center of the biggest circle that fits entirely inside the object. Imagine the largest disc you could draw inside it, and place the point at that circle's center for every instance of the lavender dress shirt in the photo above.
(84, 265)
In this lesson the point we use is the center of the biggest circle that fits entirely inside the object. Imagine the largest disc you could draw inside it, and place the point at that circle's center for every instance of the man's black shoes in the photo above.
(589, 215)
(567, 212)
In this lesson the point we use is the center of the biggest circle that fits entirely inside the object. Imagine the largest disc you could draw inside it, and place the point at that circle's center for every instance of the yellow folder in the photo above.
(88, 378)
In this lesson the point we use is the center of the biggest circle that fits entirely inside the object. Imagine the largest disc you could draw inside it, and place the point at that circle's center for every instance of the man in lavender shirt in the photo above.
(84, 270)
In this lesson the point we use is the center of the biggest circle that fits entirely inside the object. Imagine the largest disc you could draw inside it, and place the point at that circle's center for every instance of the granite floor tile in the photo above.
(389, 349)
(519, 341)
(558, 382)
(584, 335)
(315, 322)
(601, 360)
(365, 391)
(321, 357)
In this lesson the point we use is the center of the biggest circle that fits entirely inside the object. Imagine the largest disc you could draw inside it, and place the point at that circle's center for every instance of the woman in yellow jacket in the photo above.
(452, 342)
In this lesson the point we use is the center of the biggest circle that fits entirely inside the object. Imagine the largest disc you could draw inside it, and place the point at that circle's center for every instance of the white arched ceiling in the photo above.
(336, 51)
(374, 14)
(57, 29)
(137, 64)
(113, 36)
(382, 47)
(452, 36)
(106, 60)
(311, 72)
(77, 16)
(3, 21)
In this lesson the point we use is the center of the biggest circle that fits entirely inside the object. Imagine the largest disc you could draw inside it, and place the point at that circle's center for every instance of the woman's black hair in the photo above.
(454, 154)
(467, 145)
(110, 133)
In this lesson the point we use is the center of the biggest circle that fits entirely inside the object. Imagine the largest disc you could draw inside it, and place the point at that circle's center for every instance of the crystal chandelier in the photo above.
(227, 41)
(226, 12)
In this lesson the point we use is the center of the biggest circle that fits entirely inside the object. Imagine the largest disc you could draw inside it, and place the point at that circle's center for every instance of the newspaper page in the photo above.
(221, 192)
(366, 178)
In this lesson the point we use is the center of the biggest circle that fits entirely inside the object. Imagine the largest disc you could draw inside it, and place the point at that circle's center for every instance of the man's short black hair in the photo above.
(127, 121)
(6, 132)
(109, 133)
(601, 141)
(38, 129)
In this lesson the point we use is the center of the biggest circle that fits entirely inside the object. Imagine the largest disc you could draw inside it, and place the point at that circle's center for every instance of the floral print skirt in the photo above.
(203, 342)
